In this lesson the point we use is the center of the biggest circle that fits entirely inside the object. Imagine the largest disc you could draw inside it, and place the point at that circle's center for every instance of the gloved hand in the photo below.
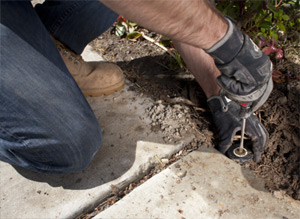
(246, 71)
(228, 122)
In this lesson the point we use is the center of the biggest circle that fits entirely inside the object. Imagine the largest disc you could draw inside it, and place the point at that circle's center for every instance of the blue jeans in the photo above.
(46, 124)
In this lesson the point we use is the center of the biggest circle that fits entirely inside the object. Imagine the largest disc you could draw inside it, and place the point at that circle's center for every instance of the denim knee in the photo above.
(65, 153)
(80, 152)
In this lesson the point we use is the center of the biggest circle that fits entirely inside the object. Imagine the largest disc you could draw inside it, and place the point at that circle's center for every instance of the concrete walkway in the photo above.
(204, 184)
(127, 153)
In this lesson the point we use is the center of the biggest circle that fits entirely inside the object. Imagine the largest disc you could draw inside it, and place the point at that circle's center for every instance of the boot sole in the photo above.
(105, 91)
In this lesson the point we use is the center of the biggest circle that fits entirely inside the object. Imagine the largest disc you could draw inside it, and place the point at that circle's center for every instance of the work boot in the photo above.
(93, 78)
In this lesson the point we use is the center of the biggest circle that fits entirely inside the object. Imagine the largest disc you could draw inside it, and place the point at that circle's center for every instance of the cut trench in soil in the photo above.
(155, 74)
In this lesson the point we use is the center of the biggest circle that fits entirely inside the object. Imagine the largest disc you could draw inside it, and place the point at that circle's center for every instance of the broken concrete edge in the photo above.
(122, 182)
(203, 191)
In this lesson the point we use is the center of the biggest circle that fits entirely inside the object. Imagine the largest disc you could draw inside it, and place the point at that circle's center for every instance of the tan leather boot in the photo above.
(93, 78)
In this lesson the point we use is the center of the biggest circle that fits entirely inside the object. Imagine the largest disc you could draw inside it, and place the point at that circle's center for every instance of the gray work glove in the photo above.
(246, 71)
(228, 122)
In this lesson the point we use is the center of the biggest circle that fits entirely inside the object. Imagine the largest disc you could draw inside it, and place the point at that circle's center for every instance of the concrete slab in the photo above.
(90, 55)
(124, 156)
(127, 153)
(204, 184)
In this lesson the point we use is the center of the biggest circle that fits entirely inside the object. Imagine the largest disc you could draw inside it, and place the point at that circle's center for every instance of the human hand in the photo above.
(246, 72)
(228, 123)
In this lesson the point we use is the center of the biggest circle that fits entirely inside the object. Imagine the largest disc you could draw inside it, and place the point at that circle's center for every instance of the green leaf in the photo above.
(269, 17)
(120, 30)
(133, 36)
(166, 42)
(259, 34)
(271, 7)
(276, 15)
(179, 59)
(132, 24)
(285, 17)
(274, 35)
(291, 24)
(281, 27)
(265, 24)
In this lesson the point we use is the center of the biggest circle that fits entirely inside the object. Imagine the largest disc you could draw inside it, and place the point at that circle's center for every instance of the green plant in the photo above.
(126, 28)
(270, 18)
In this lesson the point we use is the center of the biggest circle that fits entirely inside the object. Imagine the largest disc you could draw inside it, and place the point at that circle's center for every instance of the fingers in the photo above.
(224, 147)
(257, 150)
(259, 136)
(257, 157)
(227, 140)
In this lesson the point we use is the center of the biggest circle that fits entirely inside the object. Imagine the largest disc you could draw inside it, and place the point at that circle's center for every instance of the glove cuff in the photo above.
(231, 44)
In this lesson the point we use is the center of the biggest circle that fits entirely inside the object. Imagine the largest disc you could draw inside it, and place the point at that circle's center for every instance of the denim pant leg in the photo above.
(46, 123)
(75, 23)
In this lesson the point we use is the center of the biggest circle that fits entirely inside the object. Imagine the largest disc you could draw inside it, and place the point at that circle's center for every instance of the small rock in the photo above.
(282, 100)
(179, 153)
(181, 173)
(177, 165)
(182, 131)
(279, 194)
(165, 160)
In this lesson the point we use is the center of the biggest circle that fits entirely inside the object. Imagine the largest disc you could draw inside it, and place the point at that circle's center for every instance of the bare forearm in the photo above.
(193, 22)
(202, 66)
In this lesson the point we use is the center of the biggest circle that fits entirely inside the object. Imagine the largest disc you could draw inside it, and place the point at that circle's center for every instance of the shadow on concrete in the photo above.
(105, 167)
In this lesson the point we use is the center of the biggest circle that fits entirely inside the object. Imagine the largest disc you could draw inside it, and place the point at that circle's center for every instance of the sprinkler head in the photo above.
(239, 154)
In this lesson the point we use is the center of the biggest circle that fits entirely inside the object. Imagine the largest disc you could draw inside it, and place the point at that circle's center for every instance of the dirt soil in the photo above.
(156, 74)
